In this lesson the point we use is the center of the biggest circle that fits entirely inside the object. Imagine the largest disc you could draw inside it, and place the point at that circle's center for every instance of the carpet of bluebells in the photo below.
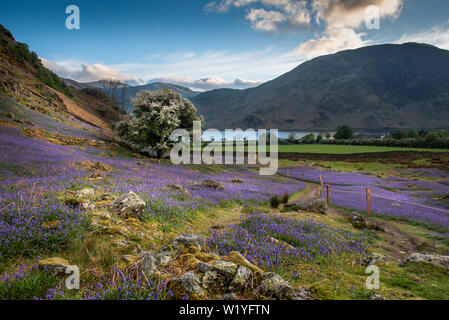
(35, 173)
(392, 197)
(270, 241)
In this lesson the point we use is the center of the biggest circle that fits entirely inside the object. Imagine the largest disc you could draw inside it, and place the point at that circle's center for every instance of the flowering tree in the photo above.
(156, 114)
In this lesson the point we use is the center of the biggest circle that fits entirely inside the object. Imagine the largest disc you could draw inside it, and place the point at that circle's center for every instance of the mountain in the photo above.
(25, 80)
(376, 87)
(131, 91)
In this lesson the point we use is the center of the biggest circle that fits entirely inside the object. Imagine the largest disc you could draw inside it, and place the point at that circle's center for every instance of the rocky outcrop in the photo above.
(313, 205)
(187, 286)
(434, 259)
(85, 193)
(204, 275)
(55, 265)
(127, 206)
(358, 221)
(210, 184)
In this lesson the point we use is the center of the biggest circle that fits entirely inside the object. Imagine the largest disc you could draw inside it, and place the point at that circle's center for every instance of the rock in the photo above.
(274, 286)
(178, 187)
(204, 267)
(237, 180)
(54, 265)
(96, 176)
(148, 263)
(85, 193)
(372, 258)
(211, 184)
(375, 296)
(240, 260)
(226, 269)
(436, 260)
(228, 296)
(302, 294)
(106, 197)
(187, 285)
(358, 221)
(189, 260)
(241, 279)
(164, 257)
(313, 205)
(215, 282)
(52, 224)
(188, 241)
(129, 205)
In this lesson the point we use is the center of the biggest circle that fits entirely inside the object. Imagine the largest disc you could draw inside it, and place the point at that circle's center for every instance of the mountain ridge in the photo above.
(375, 87)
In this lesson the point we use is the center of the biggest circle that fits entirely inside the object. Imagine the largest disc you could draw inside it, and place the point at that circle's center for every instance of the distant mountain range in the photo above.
(131, 91)
(376, 87)
(372, 88)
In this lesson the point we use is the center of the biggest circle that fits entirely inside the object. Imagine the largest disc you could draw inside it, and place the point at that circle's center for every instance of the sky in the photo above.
(209, 44)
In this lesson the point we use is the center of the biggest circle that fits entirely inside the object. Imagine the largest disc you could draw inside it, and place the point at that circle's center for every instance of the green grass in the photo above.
(342, 149)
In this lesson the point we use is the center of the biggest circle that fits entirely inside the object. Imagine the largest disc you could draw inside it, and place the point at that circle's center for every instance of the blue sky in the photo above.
(207, 44)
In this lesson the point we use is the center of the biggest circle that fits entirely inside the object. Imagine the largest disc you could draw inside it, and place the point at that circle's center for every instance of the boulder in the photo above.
(179, 188)
(241, 279)
(376, 296)
(164, 257)
(313, 205)
(434, 259)
(215, 283)
(54, 265)
(272, 285)
(188, 285)
(237, 180)
(211, 184)
(129, 205)
(358, 221)
(148, 263)
(226, 269)
(85, 193)
(194, 240)
(204, 267)
(372, 258)
(229, 296)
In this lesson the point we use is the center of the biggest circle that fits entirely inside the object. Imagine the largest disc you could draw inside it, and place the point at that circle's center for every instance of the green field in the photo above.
(341, 149)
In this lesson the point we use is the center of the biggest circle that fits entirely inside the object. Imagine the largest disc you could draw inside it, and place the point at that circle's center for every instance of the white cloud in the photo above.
(209, 83)
(342, 19)
(84, 72)
(335, 40)
(198, 71)
(288, 13)
(265, 20)
(437, 36)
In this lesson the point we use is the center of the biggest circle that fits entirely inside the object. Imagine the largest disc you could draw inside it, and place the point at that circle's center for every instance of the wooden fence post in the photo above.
(328, 196)
(321, 185)
(368, 201)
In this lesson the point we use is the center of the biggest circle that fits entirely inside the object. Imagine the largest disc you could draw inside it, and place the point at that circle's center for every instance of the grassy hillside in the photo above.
(377, 87)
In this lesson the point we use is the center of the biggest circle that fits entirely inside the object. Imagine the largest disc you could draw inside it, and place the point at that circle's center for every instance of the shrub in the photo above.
(275, 201)
(284, 198)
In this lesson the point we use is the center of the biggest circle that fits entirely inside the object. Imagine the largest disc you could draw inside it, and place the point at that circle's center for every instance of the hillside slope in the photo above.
(131, 91)
(384, 86)
(24, 79)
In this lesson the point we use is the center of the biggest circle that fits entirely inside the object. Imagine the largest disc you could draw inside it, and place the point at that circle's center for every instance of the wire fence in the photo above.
(369, 196)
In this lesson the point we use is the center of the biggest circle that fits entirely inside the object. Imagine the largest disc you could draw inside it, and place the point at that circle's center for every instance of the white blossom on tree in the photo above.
(156, 114)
